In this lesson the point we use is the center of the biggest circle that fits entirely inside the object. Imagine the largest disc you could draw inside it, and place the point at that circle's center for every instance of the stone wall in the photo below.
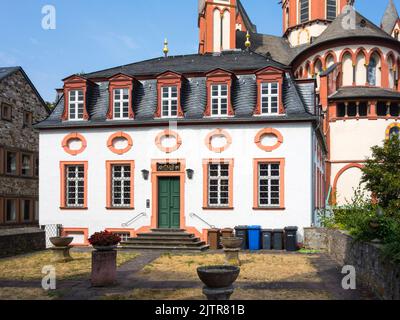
(16, 91)
(21, 240)
(372, 269)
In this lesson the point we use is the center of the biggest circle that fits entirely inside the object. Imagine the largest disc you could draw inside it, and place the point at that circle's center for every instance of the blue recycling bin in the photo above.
(254, 237)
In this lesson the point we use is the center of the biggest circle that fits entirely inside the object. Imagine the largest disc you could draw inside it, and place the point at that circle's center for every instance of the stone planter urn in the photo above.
(218, 281)
(232, 248)
(61, 249)
(104, 259)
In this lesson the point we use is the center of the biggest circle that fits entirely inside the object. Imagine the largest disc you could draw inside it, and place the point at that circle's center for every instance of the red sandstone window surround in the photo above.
(269, 184)
(73, 186)
(269, 88)
(121, 97)
(120, 184)
(169, 85)
(75, 98)
(219, 98)
(218, 184)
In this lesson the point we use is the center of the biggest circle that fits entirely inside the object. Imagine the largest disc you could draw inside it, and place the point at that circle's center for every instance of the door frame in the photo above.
(154, 181)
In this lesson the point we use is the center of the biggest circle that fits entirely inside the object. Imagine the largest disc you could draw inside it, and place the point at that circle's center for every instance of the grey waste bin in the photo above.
(277, 239)
(291, 238)
(241, 232)
(266, 239)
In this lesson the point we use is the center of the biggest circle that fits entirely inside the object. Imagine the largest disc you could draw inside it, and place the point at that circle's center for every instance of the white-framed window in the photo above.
(121, 186)
(219, 100)
(75, 186)
(123, 235)
(218, 184)
(76, 105)
(169, 102)
(304, 11)
(270, 98)
(121, 104)
(269, 184)
(331, 9)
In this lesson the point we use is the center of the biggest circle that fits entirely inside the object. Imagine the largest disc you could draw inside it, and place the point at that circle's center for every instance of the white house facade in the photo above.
(222, 148)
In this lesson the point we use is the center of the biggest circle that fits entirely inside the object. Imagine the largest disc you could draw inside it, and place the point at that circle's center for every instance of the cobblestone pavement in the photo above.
(127, 280)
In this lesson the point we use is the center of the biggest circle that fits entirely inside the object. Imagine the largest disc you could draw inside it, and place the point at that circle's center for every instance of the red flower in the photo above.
(104, 239)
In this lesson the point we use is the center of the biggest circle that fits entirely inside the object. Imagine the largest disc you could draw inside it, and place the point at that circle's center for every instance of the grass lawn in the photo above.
(29, 267)
(255, 267)
(239, 294)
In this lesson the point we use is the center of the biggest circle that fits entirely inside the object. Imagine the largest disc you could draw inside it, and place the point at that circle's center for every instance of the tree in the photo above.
(381, 175)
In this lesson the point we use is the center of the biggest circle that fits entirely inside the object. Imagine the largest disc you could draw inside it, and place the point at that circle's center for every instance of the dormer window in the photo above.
(219, 100)
(120, 90)
(269, 84)
(219, 84)
(121, 103)
(169, 86)
(76, 105)
(75, 90)
(269, 98)
(169, 101)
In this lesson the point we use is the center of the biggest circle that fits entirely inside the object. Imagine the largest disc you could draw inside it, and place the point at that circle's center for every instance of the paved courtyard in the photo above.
(172, 276)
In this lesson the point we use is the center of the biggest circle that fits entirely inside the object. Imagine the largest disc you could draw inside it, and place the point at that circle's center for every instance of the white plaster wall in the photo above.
(217, 31)
(226, 43)
(353, 139)
(347, 68)
(296, 149)
(301, 36)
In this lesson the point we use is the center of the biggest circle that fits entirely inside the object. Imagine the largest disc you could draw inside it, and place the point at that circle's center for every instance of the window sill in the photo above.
(269, 208)
(74, 209)
(218, 208)
(120, 209)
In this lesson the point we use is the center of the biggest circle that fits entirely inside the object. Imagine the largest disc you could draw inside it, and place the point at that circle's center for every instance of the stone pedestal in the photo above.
(104, 268)
(61, 254)
(218, 294)
(232, 256)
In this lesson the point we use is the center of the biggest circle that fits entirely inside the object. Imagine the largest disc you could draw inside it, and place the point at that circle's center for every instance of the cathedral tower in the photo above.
(304, 19)
(218, 22)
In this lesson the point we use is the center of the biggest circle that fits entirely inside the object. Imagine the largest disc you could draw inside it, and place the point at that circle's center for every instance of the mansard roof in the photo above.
(390, 18)
(298, 97)
(191, 64)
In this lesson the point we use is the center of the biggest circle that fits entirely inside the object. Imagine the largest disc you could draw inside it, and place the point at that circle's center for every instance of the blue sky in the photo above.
(96, 34)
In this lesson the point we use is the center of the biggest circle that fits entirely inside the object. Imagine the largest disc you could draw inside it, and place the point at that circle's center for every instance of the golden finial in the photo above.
(166, 50)
(247, 43)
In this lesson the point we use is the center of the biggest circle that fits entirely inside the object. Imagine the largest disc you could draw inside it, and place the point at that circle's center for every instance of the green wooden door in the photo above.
(169, 203)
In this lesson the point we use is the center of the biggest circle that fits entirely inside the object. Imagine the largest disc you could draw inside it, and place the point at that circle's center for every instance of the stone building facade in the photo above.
(21, 106)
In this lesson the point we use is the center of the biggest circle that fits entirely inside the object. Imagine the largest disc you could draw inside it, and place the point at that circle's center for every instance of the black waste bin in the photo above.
(291, 238)
(266, 239)
(277, 239)
(241, 232)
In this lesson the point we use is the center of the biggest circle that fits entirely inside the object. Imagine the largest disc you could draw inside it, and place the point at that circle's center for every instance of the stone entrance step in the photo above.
(165, 239)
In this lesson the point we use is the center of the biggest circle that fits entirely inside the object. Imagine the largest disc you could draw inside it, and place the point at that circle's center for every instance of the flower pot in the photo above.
(218, 276)
(105, 248)
(232, 243)
(61, 241)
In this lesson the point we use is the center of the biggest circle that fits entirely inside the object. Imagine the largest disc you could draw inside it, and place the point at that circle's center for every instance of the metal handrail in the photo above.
(127, 224)
(200, 218)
